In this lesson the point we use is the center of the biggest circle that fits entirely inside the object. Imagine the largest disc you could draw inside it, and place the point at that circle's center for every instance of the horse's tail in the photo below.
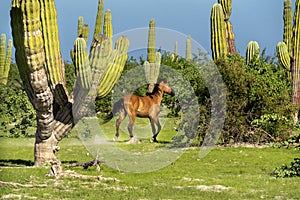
(118, 106)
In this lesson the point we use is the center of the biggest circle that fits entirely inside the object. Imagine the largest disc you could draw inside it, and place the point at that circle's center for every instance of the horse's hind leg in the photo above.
(122, 116)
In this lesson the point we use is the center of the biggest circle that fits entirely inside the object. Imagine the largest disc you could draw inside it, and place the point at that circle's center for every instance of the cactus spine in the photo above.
(252, 52)
(189, 48)
(152, 66)
(230, 40)
(218, 39)
(5, 57)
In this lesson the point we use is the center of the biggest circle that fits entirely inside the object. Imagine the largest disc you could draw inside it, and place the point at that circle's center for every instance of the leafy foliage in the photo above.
(258, 101)
(17, 114)
(291, 170)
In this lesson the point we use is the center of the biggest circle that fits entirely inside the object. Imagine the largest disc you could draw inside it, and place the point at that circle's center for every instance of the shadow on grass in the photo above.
(15, 163)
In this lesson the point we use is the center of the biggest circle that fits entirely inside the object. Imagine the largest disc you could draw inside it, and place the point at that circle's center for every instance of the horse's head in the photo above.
(165, 87)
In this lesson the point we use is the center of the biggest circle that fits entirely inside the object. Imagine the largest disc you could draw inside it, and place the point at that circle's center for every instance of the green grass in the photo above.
(225, 173)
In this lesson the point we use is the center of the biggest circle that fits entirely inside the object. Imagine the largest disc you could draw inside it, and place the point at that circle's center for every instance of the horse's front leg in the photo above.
(155, 121)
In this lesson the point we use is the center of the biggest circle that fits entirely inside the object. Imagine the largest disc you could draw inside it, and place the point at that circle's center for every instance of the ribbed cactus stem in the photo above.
(99, 21)
(81, 64)
(5, 57)
(252, 52)
(80, 26)
(54, 62)
(85, 33)
(114, 69)
(230, 38)
(218, 39)
(108, 32)
(283, 55)
(288, 24)
(227, 8)
(296, 55)
(152, 71)
(188, 54)
(107, 27)
(30, 56)
(151, 42)
(176, 48)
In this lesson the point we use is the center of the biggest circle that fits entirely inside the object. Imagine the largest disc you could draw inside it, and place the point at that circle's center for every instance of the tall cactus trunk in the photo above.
(296, 58)
(31, 59)
(41, 68)
(152, 66)
(218, 38)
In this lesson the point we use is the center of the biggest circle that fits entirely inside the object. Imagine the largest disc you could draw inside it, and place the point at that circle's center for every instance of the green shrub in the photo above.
(17, 115)
(291, 170)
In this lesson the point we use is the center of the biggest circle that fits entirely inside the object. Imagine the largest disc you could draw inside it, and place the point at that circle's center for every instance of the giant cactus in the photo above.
(218, 38)
(230, 40)
(41, 68)
(252, 52)
(152, 66)
(5, 57)
(188, 54)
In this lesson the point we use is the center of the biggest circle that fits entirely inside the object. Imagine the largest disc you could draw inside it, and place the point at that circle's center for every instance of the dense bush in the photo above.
(291, 170)
(17, 115)
(258, 101)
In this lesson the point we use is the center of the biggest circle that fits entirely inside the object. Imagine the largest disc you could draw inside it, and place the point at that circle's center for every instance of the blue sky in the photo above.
(259, 20)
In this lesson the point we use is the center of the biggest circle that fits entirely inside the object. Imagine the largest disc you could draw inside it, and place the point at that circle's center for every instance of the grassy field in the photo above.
(225, 173)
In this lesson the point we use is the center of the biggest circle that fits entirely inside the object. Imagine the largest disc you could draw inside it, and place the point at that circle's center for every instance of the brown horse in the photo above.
(144, 107)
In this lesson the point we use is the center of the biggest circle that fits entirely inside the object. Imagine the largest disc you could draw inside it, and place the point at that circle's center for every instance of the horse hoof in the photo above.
(153, 140)
(133, 141)
(115, 139)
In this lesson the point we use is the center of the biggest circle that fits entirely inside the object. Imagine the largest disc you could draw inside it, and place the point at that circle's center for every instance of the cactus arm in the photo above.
(227, 8)
(81, 64)
(80, 26)
(283, 55)
(99, 19)
(288, 24)
(188, 48)
(115, 67)
(230, 38)
(53, 60)
(218, 40)
(107, 27)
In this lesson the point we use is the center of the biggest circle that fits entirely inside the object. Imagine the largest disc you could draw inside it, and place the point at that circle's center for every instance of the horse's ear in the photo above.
(163, 80)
